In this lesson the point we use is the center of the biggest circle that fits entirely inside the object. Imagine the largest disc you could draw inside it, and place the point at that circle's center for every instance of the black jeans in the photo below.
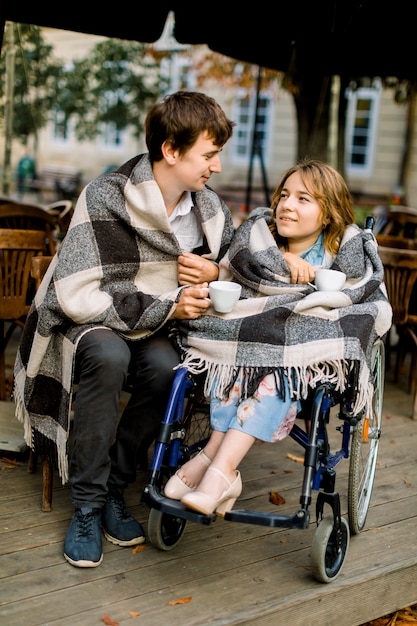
(104, 450)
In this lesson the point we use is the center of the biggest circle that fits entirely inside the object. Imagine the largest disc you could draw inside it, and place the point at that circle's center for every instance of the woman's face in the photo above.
(298, 215)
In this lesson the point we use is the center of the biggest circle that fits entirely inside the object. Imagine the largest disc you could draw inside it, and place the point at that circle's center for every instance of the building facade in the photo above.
(377, 131)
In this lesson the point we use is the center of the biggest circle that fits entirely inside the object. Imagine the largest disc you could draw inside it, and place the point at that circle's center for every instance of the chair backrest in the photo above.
(26, 216)
(17, 247)
(400, 276)
(394, 241)
(39, 266)
(62, 210)
(402, 221)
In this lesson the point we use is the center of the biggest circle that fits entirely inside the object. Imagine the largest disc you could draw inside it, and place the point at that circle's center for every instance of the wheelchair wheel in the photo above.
(327, 554)
(165, 531)
(364, 448)
(196, 419)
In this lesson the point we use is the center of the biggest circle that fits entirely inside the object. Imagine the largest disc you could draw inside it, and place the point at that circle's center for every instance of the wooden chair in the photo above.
(27, 216)
(17, 248)
(401, 221)
(39, 265)
(62, 210)
(394, 241)
(400, 274)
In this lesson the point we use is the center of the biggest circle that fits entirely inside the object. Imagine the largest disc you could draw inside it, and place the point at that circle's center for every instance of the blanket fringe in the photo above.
(39, 442)
(220, 378)
(23, 416)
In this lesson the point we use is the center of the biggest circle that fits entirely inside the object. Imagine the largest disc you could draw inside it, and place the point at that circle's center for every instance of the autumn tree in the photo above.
(310, 91)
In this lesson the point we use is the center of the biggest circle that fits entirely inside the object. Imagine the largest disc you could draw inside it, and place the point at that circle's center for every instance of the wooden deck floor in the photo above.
(232, 573)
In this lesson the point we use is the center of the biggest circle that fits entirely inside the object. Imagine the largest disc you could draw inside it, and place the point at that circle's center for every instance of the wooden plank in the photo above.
(234, 573)
(254, 583)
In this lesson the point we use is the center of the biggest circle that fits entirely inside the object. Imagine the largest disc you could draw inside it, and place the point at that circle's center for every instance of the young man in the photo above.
(143, 244)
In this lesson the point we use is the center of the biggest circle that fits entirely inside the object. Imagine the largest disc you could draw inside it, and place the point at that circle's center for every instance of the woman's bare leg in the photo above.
(232, 449)
(192, 472)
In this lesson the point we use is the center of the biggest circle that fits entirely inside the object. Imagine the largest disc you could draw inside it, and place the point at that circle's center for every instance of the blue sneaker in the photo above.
(82, 546)
(119, 526)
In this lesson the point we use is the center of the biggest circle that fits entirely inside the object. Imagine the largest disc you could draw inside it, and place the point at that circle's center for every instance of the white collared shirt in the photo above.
(185, 224)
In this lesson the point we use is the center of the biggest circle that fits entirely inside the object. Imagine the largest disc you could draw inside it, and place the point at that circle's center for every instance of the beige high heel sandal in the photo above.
(176, 488)
(203, 503)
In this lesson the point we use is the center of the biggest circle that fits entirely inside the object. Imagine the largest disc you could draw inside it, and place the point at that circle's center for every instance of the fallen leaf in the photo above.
(107, 620)
(275, 498)
(297, 459)
(134, 613)
(180, 601)
(138, 548)
(403, 617)
(11, 461)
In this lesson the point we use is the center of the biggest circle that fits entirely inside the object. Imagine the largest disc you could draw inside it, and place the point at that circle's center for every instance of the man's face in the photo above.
(194, 168)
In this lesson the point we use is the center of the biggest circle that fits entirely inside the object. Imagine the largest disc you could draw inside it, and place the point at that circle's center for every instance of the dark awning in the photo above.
(346, 37)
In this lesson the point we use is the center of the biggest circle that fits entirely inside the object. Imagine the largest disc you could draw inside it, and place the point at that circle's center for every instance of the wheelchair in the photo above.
(185, 430)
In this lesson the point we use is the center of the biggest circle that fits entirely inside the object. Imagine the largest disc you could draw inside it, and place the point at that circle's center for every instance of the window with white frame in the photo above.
(177, 73)
(243, 135)
(111, 136)
(361, 129)
(60, 129)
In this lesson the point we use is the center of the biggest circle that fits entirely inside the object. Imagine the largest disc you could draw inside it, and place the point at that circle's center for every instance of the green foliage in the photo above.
(361, 213)
(116, 83)
(34, 81)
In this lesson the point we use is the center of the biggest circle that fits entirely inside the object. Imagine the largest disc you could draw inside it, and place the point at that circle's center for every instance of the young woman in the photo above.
(283, 336)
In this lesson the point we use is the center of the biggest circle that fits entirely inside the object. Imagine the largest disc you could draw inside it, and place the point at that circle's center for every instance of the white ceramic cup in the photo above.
(224, 295)
(329, 280)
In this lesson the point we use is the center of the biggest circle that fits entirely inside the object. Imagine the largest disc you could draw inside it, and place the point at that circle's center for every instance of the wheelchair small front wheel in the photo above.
(165, 531)
(329, 551)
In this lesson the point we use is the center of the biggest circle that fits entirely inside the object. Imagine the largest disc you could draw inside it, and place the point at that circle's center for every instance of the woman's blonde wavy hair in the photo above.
(329, 188)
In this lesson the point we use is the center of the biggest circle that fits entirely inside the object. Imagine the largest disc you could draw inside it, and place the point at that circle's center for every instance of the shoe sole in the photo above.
(83, 563)
(118, 542)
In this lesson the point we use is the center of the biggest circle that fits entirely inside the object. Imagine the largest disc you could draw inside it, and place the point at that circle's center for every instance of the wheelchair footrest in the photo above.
(155, 500)
(300, 519)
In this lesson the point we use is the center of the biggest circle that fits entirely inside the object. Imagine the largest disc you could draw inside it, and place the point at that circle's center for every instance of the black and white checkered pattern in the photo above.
(116, 268)
(310, 336)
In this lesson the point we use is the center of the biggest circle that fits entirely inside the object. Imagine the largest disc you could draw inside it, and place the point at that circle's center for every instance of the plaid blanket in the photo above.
(117, 269)
(293, 330)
